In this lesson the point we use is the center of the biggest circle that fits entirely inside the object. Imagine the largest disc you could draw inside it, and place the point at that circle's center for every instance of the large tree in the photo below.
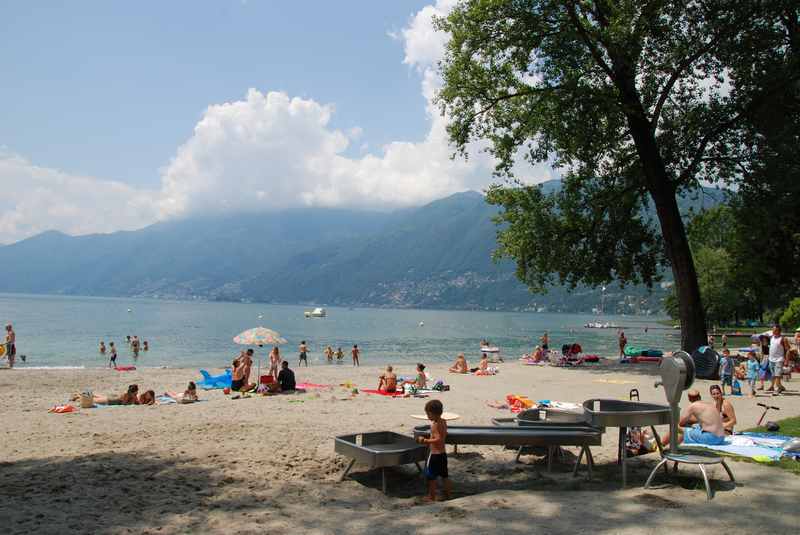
(631, 99)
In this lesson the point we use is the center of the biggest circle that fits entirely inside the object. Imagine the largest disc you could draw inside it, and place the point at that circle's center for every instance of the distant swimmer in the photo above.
(102, 347)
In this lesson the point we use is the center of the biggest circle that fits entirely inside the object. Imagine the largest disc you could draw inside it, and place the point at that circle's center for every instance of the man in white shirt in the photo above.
(778, 347)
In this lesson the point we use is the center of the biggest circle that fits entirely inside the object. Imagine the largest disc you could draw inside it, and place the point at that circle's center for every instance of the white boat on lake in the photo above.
(316, 313)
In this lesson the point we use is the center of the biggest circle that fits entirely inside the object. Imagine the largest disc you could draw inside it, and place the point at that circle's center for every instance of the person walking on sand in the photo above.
(356, 353)
(112, 362)
(11, 345)
(623, 342)
(303, 353)
(778, 347)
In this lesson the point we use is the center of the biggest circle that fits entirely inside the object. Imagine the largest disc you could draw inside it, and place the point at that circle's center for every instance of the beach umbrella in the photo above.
(260, 336)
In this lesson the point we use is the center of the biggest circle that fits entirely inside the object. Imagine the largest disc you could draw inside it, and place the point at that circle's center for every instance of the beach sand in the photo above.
(267, 464)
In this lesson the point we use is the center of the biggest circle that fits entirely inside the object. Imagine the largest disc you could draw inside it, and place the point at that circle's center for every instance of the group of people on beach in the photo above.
(772, 360)
(388, 382)
(703, 422)
(329, 353)
(461, 366)
(133, 396)
(133, 343)
(283, 380)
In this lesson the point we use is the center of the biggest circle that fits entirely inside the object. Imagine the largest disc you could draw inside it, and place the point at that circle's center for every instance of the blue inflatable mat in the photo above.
(210, 382)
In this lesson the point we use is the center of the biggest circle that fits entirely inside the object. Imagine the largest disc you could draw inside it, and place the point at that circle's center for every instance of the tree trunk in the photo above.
(663, 193)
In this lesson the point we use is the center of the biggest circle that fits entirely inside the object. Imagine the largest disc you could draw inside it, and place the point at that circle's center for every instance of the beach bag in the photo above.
(87, 400)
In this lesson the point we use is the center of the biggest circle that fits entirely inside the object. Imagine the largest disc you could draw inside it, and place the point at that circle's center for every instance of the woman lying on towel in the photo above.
(131, 397)
(189, 395)
(460, 366)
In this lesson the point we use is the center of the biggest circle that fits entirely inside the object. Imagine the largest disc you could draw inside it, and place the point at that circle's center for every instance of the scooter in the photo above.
(766, 408)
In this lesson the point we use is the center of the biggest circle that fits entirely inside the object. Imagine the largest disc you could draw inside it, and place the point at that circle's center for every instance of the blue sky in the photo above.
(111, 88)
(120, 114)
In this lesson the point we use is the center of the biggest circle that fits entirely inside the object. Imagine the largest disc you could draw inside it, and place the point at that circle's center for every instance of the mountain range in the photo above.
(435, 256)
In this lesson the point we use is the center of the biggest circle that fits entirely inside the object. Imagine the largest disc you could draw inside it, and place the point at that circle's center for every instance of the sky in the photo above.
(116, 115)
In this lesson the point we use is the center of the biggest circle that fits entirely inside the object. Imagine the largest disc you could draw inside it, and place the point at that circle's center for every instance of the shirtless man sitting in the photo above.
(460, 365)
(388, 381)
(700, 422)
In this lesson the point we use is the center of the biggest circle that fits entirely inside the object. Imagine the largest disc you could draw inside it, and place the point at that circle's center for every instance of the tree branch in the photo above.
(593, 50)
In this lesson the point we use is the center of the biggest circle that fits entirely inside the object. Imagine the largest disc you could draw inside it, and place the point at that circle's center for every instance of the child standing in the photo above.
(112, 363)
(726, 370)
(436, 466)
(752, 373)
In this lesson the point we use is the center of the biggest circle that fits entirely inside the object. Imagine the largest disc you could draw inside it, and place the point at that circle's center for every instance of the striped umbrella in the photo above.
(260, 336)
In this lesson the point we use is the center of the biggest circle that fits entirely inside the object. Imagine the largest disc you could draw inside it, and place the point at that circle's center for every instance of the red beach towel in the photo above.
(384, 393)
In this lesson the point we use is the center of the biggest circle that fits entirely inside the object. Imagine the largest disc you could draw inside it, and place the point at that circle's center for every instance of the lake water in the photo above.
(58, 331)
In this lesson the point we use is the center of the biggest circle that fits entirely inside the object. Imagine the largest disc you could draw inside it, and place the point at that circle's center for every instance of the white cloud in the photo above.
(269, 151)
(36, 199)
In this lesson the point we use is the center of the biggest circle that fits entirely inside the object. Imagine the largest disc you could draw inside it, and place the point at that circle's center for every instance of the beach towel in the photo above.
(62, 409)
(384, 393)
(165, 400)
(752, 445)
(124, 368)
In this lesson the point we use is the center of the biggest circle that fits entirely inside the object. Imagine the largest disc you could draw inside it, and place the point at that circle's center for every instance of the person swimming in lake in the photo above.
(460, 365)
(339, 355)
(388, 381)
(102, 347)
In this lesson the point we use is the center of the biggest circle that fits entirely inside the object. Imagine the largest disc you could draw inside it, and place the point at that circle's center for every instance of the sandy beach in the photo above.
(267, 463)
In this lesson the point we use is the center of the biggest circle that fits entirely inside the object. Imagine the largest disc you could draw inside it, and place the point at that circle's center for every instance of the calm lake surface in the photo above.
(58, 331)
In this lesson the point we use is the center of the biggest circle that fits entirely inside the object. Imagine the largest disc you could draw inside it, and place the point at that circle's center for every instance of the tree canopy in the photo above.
(635, 102)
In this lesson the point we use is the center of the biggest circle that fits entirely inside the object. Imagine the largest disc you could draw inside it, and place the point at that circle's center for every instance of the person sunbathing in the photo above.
(725, 408)
(241, 372)
(388, 381)
(700, 423)
(130, 397)
(460, 365)
(538, 354)
(421, 380)
(148, 398)
(188, 396)
(483, 366)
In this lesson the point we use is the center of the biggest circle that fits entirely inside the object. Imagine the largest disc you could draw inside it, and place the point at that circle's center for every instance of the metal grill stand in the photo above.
(677, 375)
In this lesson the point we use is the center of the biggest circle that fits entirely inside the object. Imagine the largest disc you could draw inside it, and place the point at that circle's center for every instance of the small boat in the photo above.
(599, 325)
(421, 323)
(316, 313)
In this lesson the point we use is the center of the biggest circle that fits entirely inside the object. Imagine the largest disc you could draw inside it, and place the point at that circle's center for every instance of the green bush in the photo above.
(790, 319)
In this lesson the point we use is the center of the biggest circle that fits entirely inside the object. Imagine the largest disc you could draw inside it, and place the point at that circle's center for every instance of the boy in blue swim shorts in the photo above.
(436, 466)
